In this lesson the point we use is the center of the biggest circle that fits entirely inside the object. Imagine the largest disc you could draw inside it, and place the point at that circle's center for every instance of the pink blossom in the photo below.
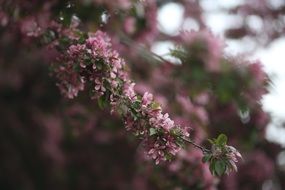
(102, 68)
(74, 50)
(129, 91)
(147, 99)
(230, 153)
(99, 86)
(30, 27)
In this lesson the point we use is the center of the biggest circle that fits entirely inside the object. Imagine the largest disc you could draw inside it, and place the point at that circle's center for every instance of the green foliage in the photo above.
(48, 36)
(66, 13)
(220, 141)
(152, 131)
(82, 37)
(103, 101)
(220, 167)
(206, 158)
(64, 43)
(155, 105)
(218, 158)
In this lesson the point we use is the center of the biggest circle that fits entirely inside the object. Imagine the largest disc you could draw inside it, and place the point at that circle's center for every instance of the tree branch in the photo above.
(204, 150)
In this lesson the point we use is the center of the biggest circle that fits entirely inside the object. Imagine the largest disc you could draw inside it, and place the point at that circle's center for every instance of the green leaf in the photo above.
(180, 142)
(206, 158)
(136, 105)
(82, 37)
(175, 131)
(76, 67)
(212, 168)
(64, 43)
(99, 64)
(152, 131)
(168, 157)
(155, 105)
(102, 102)
(220, 167)
(87, 60)
(134, 113)
(211, 141)
(222, 140)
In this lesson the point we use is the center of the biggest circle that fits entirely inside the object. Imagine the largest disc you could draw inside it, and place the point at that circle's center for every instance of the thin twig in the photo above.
(204, 150)
(158, 57)
(129, 42)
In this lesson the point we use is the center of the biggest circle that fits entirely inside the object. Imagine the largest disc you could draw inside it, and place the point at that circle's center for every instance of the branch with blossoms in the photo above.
(89, 62)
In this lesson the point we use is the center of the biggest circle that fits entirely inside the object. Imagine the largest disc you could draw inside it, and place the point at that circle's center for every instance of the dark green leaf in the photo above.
(64, 42)
(82, 37)
(168, 156)
(99, 64)
(76, 67)
(212, 168)
(102, 102)
(206, 158)
(136, 105)
(134, 113)
(220, 167)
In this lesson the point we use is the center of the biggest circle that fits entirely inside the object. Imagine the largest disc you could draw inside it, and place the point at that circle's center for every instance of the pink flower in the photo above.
(129, 91)
(100, 45)
(230, 153)
(147, 99)
(99, 86)
(74, 50)
(30, 27)
(142, 115)
(160, 147)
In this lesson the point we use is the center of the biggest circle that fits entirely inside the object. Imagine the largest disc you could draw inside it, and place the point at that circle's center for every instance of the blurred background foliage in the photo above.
(48, 142)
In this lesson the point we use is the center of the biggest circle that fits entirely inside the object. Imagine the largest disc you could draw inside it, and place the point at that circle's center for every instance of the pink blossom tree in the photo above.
(86, 104)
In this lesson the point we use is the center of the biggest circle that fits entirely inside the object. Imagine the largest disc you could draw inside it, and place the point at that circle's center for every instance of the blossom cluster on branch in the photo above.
(94, 65)
(205, 91)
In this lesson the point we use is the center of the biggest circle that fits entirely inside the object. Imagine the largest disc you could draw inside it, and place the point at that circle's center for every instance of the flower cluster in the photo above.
(92, 61)
(222, 158)
(95, 65)
(197, 91)
(161, 136)
(230, 153)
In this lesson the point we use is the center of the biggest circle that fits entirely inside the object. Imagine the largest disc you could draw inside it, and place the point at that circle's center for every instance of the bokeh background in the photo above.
(170, 18)
(50, 142)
